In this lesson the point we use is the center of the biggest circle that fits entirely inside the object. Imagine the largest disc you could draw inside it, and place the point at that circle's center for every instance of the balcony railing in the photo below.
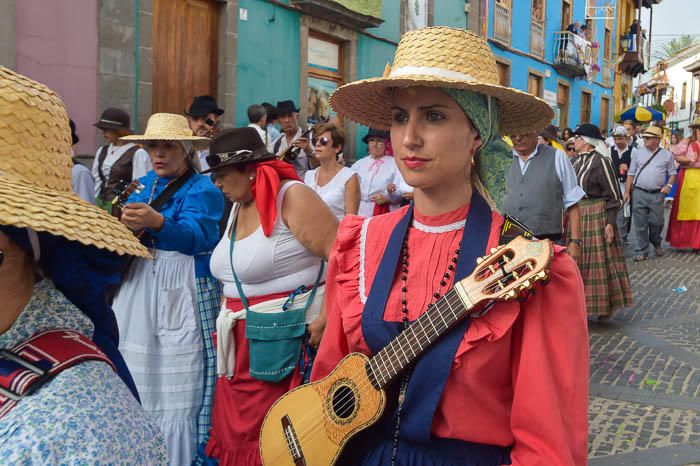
(636, 54)
(502, 24)
(537, 38)
(572, 54)
(607, 73)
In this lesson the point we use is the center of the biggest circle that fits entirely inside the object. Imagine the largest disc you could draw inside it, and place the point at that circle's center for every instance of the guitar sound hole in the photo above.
(343, 402)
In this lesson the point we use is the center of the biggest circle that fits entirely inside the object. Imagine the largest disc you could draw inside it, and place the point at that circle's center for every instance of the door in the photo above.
(185, 52)
(563, 104)
(604, 115)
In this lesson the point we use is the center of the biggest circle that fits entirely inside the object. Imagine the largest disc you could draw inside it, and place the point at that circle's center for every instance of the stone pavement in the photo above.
(644, 404)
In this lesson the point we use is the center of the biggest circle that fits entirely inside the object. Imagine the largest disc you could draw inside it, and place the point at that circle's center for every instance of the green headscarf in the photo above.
(495, 157)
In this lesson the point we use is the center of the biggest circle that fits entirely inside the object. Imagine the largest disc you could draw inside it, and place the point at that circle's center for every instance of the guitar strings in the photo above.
(317, 428)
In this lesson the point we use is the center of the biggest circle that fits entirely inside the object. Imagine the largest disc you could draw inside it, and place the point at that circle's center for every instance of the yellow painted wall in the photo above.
(625, 14)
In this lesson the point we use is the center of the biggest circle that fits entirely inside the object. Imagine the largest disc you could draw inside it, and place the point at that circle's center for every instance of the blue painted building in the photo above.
(535, 54)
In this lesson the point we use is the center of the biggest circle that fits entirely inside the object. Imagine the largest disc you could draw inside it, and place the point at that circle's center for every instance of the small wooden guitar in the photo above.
(310, 425)
(119, 201)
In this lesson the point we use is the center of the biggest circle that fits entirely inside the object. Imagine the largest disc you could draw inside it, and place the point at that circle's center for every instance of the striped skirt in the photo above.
(602, 265)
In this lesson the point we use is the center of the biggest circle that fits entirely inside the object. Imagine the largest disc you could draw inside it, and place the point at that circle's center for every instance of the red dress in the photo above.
(684, 233)
(520, 375)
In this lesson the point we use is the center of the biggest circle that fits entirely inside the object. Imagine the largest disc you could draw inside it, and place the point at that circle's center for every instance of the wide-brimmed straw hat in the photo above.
(35, 171)
(166, 127)
(653, 132)
(447, 58)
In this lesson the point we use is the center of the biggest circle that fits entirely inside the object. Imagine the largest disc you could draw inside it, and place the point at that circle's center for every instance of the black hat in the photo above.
(114, 118)
(203, 105)
(589, 130)
(550, 132)
(285, 107)
(271, 111)
(236, 146)
(73, 135)
(375, 133)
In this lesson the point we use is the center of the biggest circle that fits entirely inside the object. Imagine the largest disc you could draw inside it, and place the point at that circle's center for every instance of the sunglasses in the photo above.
(322, 141)
(570, 148)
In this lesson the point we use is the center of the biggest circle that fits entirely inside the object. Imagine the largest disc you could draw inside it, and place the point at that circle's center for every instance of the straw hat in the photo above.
(35, 171)
(653, 132)
(166, 127)
(695, 123)
(441, 57)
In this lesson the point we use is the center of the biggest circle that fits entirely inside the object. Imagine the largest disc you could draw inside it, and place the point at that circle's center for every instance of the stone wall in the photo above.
(8, 33)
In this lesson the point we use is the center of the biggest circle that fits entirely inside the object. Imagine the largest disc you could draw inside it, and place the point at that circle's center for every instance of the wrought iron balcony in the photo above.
(572, 54)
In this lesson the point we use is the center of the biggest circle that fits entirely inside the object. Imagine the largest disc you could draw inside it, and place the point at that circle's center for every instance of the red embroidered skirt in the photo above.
(240, 404)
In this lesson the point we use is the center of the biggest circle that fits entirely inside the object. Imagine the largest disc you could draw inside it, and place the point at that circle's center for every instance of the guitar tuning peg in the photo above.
(526, 285)
(479, 260)
(493, 250)
(512, 294)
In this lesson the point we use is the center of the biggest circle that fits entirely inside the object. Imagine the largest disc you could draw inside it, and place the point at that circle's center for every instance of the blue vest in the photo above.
(430, 372)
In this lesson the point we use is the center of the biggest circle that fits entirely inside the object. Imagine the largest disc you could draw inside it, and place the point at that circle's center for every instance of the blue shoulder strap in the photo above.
(430, 374)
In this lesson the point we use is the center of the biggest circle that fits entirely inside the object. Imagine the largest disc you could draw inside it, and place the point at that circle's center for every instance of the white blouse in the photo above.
(375, 175)
(141, 163)
(265, 265)
(333, 192)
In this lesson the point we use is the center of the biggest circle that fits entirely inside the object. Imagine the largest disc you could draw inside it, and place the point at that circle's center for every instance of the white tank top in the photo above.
(265, 265)
(333, 192)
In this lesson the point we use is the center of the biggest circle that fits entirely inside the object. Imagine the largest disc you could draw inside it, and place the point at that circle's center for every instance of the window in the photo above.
(538, 10)
(534, 84)
(416, 14)
(325, 75)
(503, 73)
(565, 14)
(586, 107)
(683, 94)
(537, 28)
(604, 115)
(563, 104)
(502, 21)
(607, 45)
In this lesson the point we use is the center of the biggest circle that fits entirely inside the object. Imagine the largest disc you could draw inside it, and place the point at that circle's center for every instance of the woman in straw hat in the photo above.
(277, 237)
(59, 255)
(602, 261)
(684, 223)
(472, 398)
(166, 305)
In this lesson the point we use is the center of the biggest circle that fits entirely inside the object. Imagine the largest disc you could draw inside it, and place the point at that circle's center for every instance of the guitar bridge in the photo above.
(293, 444)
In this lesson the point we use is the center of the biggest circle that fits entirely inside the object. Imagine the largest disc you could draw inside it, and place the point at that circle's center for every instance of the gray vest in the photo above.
(536, 198)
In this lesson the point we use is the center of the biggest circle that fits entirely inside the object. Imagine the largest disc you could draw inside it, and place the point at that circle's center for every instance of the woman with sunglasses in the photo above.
(167, 304)
(379, 178)
(602, 262)
(570, 148)
(510, 386)
(337, 185)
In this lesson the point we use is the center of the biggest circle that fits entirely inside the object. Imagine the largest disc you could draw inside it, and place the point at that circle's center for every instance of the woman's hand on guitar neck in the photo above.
(139, 216)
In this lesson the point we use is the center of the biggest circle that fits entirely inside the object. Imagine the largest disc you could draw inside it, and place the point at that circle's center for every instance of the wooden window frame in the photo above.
(604, 116)
(541, 76)
(562, 83)
(571, 14)
(589, 93)
(684, 93)
(509, 64)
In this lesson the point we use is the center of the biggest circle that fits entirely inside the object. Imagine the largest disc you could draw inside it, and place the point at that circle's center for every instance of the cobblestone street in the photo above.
(645, 369)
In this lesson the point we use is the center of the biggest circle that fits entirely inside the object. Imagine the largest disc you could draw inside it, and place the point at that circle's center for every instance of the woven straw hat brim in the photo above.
(162, 137)
(368, 102)
(64, 214)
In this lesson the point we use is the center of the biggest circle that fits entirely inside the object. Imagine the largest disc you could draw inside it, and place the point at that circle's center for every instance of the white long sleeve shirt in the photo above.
(375, 175)
(141, 163)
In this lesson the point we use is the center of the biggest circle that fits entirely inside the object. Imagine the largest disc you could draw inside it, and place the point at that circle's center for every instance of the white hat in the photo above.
(620, 131)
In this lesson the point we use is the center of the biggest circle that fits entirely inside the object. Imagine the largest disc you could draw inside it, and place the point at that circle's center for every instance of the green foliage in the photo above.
(675, 46)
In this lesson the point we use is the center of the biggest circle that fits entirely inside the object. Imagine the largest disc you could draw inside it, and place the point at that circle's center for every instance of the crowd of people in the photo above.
(216, 268)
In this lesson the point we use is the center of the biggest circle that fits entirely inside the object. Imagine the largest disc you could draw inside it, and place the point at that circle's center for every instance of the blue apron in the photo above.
(416, 445)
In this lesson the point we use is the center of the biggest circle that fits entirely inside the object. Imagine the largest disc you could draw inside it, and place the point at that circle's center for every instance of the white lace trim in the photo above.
(440, 228)
(363, 241)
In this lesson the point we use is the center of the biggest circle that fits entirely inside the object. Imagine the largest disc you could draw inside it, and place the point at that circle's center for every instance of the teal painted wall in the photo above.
(268, 67)
(449, 13)
(391, 27)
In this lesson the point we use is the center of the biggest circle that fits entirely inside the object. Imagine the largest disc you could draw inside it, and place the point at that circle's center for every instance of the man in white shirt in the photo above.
(270, 128)
(257, 119)
(287, 113)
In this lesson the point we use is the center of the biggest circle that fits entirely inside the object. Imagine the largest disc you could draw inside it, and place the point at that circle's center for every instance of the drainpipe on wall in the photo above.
(136, 65)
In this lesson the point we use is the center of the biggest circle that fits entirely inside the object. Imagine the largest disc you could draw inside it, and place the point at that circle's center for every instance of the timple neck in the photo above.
(414, 340)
